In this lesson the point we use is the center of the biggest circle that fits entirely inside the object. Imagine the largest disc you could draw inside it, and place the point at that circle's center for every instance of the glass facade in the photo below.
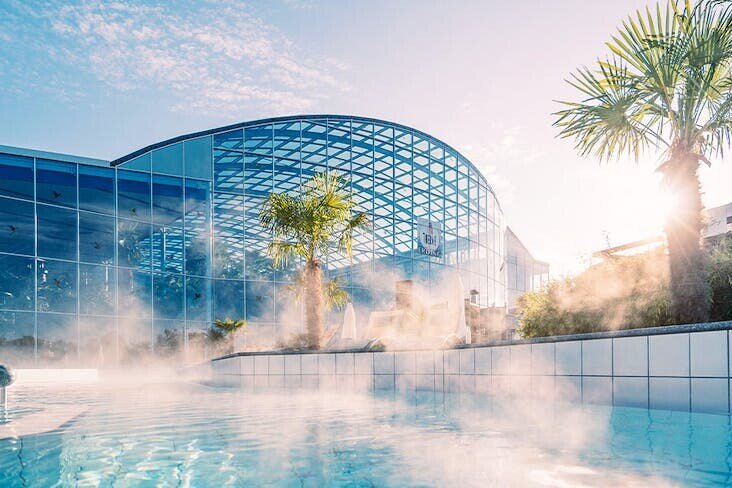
(102, 262)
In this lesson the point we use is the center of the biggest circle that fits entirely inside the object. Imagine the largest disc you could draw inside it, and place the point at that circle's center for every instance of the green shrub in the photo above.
(720, 279)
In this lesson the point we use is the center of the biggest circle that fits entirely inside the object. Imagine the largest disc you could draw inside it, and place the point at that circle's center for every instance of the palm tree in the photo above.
(310, 225)
(665, 85)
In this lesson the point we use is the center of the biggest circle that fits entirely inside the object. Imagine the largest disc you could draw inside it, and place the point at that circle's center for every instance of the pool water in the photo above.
(177, 433)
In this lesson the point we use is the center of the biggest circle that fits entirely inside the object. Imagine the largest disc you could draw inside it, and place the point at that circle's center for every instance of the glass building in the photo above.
(102, 261)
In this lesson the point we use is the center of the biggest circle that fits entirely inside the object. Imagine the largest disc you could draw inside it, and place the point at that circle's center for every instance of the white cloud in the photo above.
(210, 56)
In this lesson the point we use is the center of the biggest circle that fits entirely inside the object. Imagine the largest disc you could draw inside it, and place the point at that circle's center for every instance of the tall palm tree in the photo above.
(665, 85)
(310, 225)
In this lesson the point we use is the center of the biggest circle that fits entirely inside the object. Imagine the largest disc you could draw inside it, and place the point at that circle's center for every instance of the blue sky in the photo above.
(102, 80)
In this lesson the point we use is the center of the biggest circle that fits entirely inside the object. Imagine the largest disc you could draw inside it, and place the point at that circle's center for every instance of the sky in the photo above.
(101, 79)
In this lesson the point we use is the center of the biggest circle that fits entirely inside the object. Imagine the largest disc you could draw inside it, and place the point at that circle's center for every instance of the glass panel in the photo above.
(198, 299)
(133, 244)
(228, 171)
(168, 160)
(133, 195)
(228, 233)
(260, 301)
(56, 232)
(230, 140)
(169, 337)
(97, 287)
(98, 342)
(198, 203)
(18, 338)
(96, 238)
(287, 140)
(16, 283)
(16, 176)
(56, 286)
(197, 252)
(58, 338)
(96, 189)
(258, 140)
(198, 158)
(168, 296)
(17, 227)
(167, 250)
(141, 163)
(258, 263)
(135, 296)
(313, 143)
(56, 182)
(229, 299)
(135, 339)
(167, 200)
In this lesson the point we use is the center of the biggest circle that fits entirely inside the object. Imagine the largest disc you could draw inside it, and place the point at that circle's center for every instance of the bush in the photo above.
(720, 279)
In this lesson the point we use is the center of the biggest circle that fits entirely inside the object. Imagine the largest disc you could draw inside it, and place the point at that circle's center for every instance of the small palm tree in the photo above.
(665, 86)
(321, 218)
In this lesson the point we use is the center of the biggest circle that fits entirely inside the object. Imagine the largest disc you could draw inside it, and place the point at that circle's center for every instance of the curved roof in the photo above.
(286, 118)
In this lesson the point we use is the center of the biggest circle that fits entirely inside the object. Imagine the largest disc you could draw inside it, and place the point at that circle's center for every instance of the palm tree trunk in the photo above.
(314, 303)
(690, 294)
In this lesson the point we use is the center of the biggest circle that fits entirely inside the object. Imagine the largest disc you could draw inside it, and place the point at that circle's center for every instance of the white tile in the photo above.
(521, 359)
(261, 365)
(709, 353)
(404, 362)
(467, 383)
(344, 382)
(309, 380)
(309, 363)
(483, 383)
(483, 360)
(452, 361)
(247, 383)
(384, 381)
(424, 382)
(292, 381)
(630, 356)
(597, 357)
(327, 381)
(276, 381)
(710, 395)
(543, 387)
(467, 361)
(669, 393)
(247, 365)
(542, 359)
(501, 385)
(326, 364)
(597, 389)
(261, 381)
(452, 383)
(384, 362)
(425, 362)
(501, 360)
(364, 363)
(344, 363)
(292, 364)
(568, 388)
(668, 355)
(521, 386)
(276, 365)
(568, 358)
(631, 392)
(363, 382)
(404, 382)
(439, 362)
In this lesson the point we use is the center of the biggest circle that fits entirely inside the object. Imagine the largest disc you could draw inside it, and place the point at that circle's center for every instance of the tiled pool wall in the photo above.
(670, 369)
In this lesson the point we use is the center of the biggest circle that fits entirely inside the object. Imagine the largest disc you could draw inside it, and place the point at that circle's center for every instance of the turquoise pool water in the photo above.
(185, 434)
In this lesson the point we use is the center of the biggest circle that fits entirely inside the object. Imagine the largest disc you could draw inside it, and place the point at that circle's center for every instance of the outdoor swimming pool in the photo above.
(178, 433)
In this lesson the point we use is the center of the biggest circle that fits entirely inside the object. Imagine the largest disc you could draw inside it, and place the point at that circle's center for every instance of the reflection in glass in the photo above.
(97, 287)
(198, 299)
(198, 158)
(96, 238)
(16, 176)
(56, 232)
(228, 299)
(167, 200)
(56, 182)
(167, 249)
(96, 189)
(16, 283)
(17, 226)
(18, 338)
(135, 293)
(133, 244)
(168, 160)
(133, 195)
(168, 295)
(56, 286)
(57, 340)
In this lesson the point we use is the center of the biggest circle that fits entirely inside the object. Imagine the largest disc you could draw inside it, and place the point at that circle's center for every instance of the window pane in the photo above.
(260, 301)
(56, 182)
(168, 296)
(228, 171)
(198, 299)
(56, 286)
(198, 158)
(141, 163)
(133, 195)
(168, 160)
(96, 189)
(167, 244)
(97, 342)
(135, 293)
(197, 252)
(58, 338)
(133, 244)
(16, 283)
(228, 299)
(17, 226)
(56, 232)
(169, 337)
(18, 338)
(96, 238)
(230, 140)
(97, 287)
(167, 200)
(198, 203)
(16, 176)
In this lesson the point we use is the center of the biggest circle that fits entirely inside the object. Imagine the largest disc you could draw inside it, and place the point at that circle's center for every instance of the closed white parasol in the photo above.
(348, 331)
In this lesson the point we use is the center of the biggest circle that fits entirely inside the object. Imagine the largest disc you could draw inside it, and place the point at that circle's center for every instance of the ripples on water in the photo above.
(184, 434)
